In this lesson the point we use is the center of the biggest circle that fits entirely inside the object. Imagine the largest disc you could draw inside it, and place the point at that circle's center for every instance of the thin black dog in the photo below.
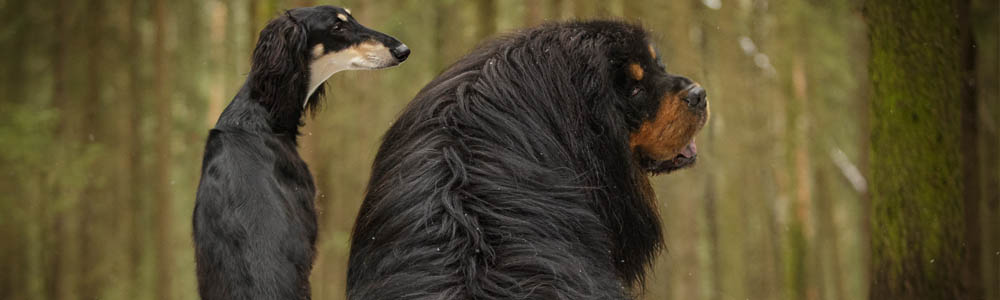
(521, 172)
(254, 218)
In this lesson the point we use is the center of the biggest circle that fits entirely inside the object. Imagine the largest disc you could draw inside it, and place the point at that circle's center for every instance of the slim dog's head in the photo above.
(299, 50)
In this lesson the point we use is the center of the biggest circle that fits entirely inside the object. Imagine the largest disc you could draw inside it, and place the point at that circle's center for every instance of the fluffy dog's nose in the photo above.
(400, 52)
(695, 97)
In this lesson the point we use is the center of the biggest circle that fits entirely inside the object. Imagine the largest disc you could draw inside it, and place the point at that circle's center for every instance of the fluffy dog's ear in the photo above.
(280, 59)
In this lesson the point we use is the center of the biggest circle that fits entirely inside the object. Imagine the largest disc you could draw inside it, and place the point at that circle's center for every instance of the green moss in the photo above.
(916, 189)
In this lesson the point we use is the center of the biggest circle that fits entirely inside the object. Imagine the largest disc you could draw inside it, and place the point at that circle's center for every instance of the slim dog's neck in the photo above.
(274, 94)
(287, 118)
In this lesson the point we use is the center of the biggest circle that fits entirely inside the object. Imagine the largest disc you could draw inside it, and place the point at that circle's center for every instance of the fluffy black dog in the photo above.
(521, 172)
(254, 219)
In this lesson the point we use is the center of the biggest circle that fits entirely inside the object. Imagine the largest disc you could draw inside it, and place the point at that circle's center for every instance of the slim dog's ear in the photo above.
(280, 60)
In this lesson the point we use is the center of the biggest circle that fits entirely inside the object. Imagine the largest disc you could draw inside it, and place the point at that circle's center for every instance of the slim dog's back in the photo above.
(255, 229)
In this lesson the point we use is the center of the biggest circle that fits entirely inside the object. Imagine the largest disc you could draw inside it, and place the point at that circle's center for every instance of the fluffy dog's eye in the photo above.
(636, 90)
(338, 27)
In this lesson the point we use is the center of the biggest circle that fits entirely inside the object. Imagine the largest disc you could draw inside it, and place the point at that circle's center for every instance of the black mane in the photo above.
(510, 176)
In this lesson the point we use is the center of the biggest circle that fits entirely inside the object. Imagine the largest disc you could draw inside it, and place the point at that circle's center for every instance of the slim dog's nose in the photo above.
(400, 52)
(696, 97)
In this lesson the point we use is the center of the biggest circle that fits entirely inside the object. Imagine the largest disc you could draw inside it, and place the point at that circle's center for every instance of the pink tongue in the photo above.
(690, 150)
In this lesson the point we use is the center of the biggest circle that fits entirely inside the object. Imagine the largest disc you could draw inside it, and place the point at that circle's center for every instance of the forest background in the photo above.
(827, 170)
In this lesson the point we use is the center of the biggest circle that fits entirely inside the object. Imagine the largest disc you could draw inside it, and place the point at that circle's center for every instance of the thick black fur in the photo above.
(254, 220)
(510, 176)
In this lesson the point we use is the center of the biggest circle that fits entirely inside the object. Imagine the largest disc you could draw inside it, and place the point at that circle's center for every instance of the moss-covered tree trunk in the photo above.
(917, 209)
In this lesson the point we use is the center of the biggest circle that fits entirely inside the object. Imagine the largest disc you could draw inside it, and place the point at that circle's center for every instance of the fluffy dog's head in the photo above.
(615, 70)
(670, 110)
(634, 117)
(661, 111)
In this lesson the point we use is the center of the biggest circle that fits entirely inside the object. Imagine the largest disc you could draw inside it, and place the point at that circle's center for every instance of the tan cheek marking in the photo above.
(652, 51)
(342, 17)
(668, 133)
(635, 71)
(318, 50)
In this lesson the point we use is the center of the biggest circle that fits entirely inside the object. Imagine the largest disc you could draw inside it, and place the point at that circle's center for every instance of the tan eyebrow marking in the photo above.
(635, 71)
(342, 17)
(348, 11)
(318, 50)
(652, 51)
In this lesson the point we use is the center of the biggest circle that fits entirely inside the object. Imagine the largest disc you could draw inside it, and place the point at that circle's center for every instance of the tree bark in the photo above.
(134, 176)
(918, 243)
(972, 273)
(987, 36)
(93, 194)
(533, 12)
(58, 264)
(555, 9)
(163, 198)
(486, 14)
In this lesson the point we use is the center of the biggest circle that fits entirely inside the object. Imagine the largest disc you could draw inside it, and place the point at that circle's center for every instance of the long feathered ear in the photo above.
(280, 67)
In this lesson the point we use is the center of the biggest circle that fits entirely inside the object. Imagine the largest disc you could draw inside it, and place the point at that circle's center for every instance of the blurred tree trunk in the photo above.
(20, 222)
(711, 288)
(59, 275)
(162, 190)
(487, 16)
(261, 12)
(631, 10)
(437, 32)
(90, 123)
(533, 14)
(917, 222)
(13, 51)
(16, 229)
(863, 107)
(802, 232)
(987, 36)
(135, 206)
(555, 9)
(972, 270)
(221, 43)
(255, 25)
(448, 31)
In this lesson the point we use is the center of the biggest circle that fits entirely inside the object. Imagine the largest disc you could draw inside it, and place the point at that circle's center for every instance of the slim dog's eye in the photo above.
(338, 26)
(636, 90)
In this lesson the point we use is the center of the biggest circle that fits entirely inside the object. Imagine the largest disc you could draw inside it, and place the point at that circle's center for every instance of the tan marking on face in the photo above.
(368, 55)
(318, 50)
(376, 55)
(666, 135)
(342, 17)
(370, 46)
(652, 51)
(348, 11)
(635, 71)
